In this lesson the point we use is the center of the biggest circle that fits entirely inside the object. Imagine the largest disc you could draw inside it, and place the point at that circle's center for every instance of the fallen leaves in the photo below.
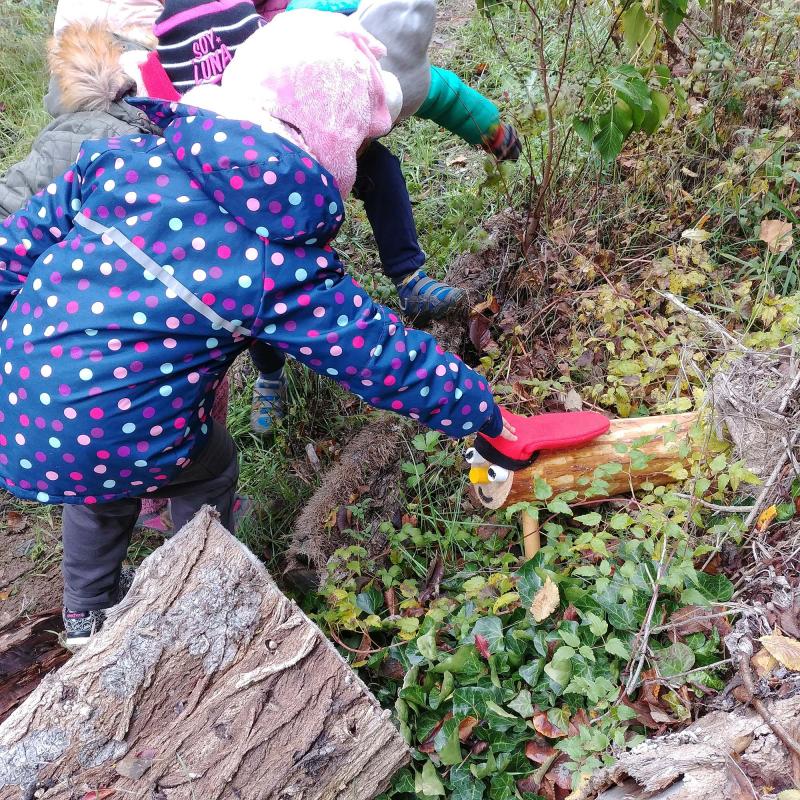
(539, 751)
(763, 662)
(696, 235)
(14, 522)
(542, 725)
(465, 727)
(482, 645)
(99, 794)
(783, 649)
(777, 234)
(545, 601)
(765, 518)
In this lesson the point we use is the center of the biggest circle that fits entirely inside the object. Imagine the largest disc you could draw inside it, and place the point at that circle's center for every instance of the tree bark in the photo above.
(206, 682)
(726, 756)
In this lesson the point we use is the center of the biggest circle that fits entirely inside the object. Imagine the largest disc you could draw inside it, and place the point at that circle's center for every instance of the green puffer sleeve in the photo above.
(459, 108)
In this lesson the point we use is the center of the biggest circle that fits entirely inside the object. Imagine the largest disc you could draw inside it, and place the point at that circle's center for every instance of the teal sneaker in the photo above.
(423, 298)
(269, 402)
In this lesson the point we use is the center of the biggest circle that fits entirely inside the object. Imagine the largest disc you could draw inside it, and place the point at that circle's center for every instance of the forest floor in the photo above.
(426, 592)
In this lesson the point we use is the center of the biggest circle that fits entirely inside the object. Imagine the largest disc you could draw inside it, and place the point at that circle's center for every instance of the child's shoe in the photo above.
(423, 298)
(504, 145)
(269, 405)
(80, 626)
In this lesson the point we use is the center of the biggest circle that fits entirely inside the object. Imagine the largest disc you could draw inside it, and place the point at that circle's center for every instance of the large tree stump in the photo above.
(207, 683)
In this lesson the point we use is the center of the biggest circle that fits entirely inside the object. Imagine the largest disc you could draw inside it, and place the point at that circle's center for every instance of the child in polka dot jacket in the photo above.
(128, 287)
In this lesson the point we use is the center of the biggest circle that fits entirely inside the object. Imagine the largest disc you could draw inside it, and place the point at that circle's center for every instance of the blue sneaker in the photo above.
(423, 298)
(269, 403)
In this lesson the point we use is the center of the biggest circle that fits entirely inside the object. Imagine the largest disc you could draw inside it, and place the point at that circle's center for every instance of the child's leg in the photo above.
(380, 185)
(95, 539)
(210, 479)
(269, 389)
(467, 113)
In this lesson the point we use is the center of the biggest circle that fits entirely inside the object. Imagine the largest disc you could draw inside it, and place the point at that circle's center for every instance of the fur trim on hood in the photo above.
(84, 61)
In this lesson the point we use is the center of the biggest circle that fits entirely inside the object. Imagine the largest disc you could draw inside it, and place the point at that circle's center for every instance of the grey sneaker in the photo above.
(80, 626)
(269, 403)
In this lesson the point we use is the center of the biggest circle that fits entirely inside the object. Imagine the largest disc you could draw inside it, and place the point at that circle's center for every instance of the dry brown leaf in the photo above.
(465, 728)
(763, 662)
(5, 594)
(777, 234)
(545, 602)
(784, 649)
(14, 522)
(542, 725)
(765, 518)
(539, 751)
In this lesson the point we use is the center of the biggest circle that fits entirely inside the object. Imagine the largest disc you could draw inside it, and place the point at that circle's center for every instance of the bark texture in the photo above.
(206, 682)
(725, 756)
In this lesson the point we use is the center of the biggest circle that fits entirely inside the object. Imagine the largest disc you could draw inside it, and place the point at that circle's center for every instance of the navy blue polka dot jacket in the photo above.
(129, 285)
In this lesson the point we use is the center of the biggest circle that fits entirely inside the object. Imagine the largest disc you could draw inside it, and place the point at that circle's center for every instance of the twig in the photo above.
(708, 321)
(715, 665)
(648, 620)
(714, 506)
(789, 742)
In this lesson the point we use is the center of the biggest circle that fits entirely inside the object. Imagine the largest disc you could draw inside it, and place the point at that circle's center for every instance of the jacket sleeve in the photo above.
(29, 233)
(332, 325)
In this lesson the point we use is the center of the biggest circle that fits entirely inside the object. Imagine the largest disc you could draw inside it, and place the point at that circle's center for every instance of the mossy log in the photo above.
(206, 682)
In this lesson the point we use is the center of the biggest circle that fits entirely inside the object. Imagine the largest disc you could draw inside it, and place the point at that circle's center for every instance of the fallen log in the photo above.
(726, 756)
(29, 650)
(206, 682)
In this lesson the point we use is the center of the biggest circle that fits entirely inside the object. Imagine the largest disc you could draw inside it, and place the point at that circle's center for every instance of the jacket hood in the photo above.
(251, 173)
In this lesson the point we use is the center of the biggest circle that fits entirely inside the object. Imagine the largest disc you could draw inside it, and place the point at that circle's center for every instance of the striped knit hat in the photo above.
(196, 42)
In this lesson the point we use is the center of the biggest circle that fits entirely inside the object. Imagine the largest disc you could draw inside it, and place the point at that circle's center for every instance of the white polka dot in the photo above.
(199, 275)
(46, 370)
(44, 399)
(106, 268)
(245, 281)
(86, 374)
(52, 301)
(97, 308)
(198, 243)
(77, 264)
(220, 136)
(130, 197)
(109, 185)
(155, 161)
(114, 344)
(139, 318)
(195, 148)
(251, 254)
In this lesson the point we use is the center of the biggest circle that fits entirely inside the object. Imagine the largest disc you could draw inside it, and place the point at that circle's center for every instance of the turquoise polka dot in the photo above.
(175, 224)
(245, 281)
(166, 369)
(262, 231)
(342, 321)
(53, 442)
(25, 464)
(295, 199)
(128, 427)
(300, 274)
(211, 343)
(328, 283)
(165, 391)
(109, 484)
(332, 371)
(270, 328)
(425, 391)
(42, 497)
(139, 318)
(140, 463)
(332, 208)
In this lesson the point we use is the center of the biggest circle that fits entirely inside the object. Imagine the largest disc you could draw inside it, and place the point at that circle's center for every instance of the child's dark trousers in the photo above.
(96, 537)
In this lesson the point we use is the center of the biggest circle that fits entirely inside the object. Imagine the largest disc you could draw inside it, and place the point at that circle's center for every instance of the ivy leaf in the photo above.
(428, 782)
(450, 754)
(674, 660)
(464, 662)
(471, 701)
(426, 644)
(716, 588)
(597, 625)
(490, 629)
(531, 673)
(502, 787)
(522, 704)
(546, 601)
(528, 582)
(553, 724)
(463, 785)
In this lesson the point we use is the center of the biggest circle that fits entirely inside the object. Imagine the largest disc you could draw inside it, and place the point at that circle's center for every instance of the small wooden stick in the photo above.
(531, 540)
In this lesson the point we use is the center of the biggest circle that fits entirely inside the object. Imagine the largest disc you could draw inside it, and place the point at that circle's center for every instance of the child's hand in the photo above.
(509, 431)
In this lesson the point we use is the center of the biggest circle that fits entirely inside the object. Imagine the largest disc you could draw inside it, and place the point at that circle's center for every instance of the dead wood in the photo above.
(29, 650)
(206, 682)
(726, 756)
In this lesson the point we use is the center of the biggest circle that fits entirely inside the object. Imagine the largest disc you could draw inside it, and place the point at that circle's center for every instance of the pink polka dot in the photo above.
(270, 177)
(237, 182)
(358, 342)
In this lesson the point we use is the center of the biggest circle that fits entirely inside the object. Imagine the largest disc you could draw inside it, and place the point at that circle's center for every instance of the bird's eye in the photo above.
(497, 474)
(470, 455)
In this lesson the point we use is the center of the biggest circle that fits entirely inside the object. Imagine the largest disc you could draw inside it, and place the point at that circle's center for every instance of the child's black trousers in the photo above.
(96, 537)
